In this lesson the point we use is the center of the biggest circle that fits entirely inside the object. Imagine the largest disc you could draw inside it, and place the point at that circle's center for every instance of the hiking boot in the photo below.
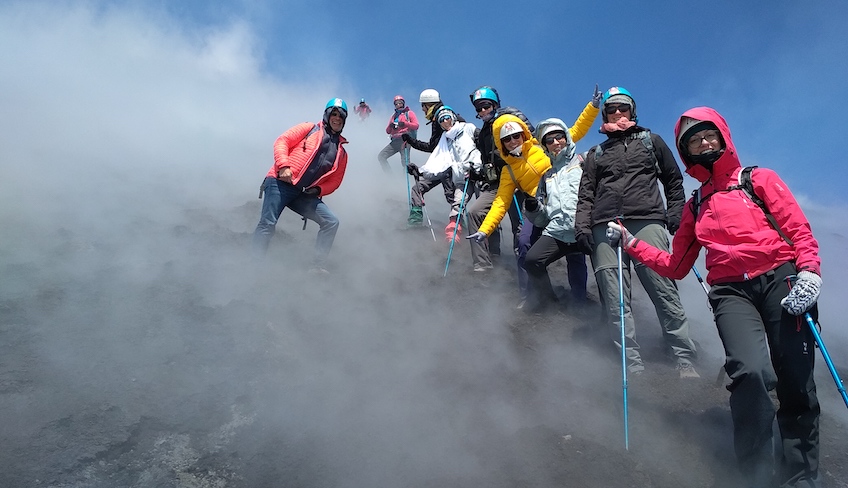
(481, 268)
(318, 271)
(416, 217)
(687, 371)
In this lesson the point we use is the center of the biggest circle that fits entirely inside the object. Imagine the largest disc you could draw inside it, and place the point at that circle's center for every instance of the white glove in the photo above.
(479, 237)
(803, 294)
(614, 233)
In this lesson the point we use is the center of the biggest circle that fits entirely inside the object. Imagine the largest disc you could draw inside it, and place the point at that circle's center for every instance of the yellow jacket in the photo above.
(526, 169)
(584, 122)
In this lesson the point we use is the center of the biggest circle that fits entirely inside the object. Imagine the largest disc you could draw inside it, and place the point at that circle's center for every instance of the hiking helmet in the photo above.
(335, 103)
(618, 94)
(361, 100)
(398, 97)
(445, 111)
(485, 93)
(510, 128)
(429, 96)
(688, 127)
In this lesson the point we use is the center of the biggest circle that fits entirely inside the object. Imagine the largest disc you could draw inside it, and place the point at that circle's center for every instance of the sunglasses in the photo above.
(335, 113)
(512, 137)
(550, 139)
(611, 109)
(444, 118)
(483, 106)
(399, 102)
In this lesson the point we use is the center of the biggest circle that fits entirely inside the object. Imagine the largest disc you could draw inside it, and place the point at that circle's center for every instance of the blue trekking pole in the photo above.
(839, 385)
(703, 285)
(611, 235)
(459, 215)
(518, 209)
(405, 156)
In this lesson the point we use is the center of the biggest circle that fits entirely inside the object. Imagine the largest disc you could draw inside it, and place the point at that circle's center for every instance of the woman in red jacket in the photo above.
(764, 276)
(309, 163)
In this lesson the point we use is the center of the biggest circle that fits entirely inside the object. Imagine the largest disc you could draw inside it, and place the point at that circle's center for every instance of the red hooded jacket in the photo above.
(741, 244)
(296, 148)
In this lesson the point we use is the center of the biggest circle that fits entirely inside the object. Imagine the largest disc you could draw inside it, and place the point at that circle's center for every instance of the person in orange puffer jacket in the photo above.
(309, 163)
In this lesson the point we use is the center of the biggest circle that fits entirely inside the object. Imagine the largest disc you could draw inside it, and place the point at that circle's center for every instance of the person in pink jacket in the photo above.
(403, 121)
(309, 163)
(764, 269)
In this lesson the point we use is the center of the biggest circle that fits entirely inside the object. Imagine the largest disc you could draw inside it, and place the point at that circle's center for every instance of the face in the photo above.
(512, 141)
(704, 141)
(555, 142)
(616, 111)
(425, 107)
(336, 121)
(399, 104)
(484, 109)
(446, 122)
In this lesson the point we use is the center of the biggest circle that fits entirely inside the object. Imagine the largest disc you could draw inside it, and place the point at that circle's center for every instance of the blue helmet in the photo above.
(617, 94)
(335, 103)
(485, 93)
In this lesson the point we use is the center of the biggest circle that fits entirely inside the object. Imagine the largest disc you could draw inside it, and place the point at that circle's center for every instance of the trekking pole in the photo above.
(404, 154)
(424, 210)
(704, 286)
(458, 216)
(518, 209)
(839, 385)
(611, 235)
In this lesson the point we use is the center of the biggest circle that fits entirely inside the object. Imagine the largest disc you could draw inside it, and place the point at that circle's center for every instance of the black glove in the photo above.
(586, 244)
(531, 204)
(673, 225)
(312, 191)
(413, 170)
(405, 137)
(474, 176)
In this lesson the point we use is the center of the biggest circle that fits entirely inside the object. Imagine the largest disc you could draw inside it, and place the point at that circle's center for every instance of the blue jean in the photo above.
(279, 195)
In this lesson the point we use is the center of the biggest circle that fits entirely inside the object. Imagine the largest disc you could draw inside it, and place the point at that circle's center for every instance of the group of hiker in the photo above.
(762, 260)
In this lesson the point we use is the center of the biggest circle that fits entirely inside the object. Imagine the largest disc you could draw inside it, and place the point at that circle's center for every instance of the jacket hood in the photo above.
(529, 140)
(726, 163)
(554, 124)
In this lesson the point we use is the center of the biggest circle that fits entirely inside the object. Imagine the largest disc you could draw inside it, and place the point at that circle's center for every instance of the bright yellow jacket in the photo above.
(527, 170)
(584, 122)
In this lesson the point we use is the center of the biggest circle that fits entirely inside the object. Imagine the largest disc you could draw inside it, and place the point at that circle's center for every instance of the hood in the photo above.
(529, 140)
(726, 163)
(554, 124)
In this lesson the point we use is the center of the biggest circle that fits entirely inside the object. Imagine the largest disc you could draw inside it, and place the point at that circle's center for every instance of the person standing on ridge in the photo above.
(309, 164)
(620, 182)
(448, 165)
(430, 103)
(764, 273)
(403, 121)
(363, 110)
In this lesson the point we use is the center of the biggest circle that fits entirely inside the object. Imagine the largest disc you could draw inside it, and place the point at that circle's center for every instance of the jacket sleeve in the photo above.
(789, 216)
(584, 122)
(503, 199)
(389, 126)
(586, 197)
(684, 250)
(671, 178)
(286, 142)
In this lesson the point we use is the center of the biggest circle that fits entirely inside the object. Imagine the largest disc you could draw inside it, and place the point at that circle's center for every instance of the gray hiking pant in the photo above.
(662, 291)
(393, 147)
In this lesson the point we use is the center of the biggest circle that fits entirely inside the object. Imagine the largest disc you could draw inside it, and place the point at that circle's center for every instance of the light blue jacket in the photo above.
(557, 190)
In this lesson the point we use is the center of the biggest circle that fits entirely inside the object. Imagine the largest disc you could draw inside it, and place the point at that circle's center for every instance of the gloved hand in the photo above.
(406, 137)
(586, 244)
(597, 97)
(413, 170)
(615, 233)
(313, 191)
(400, 124)
(531, 204)
(478, 236)
(673, 225)
(803, 294)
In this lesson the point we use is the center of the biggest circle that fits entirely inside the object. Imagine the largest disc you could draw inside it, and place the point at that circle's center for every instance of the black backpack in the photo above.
(745, 184)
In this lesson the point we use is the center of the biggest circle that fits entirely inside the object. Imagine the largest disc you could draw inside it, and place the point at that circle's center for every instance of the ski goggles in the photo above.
(611, 109)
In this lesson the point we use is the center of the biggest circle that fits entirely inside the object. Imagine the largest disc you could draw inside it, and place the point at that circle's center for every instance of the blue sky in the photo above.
(770, 70)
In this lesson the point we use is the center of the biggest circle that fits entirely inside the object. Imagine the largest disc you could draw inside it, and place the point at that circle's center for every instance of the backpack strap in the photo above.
(746, 184)
(645, 136)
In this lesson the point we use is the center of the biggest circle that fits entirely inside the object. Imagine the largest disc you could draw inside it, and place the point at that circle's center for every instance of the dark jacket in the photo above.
(435, 136)
(623, 183)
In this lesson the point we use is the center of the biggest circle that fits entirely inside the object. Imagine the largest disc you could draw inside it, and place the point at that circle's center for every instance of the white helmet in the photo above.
(510, 128)
(429, 96)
